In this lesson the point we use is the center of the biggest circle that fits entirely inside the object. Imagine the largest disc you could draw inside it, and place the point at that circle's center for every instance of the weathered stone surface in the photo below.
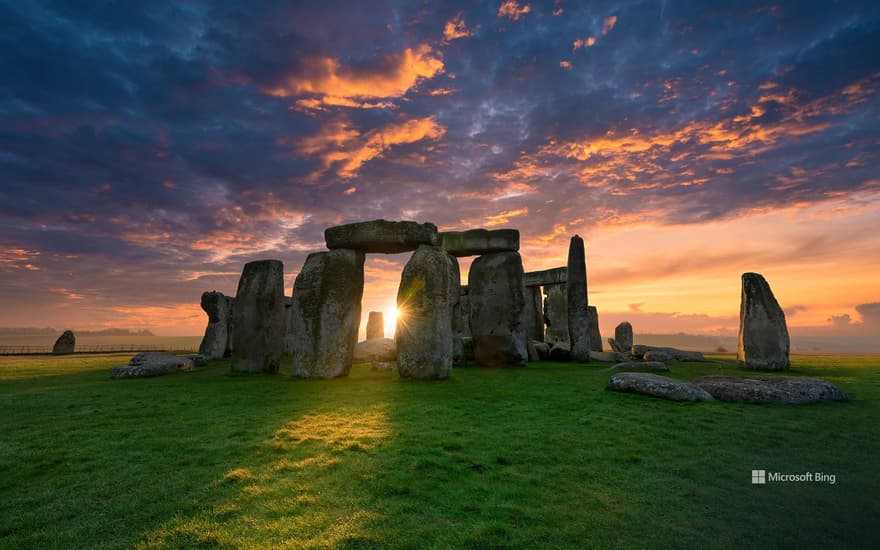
(639, 351)
(375, 325)
(476, 242)
(763, 334)
(661, 356)
(497, 305)
(543, 349)
(65, 343)
(534, 314)
(215, 341)
(258, 318)
(326, 313)
(151, 364)
(639, 366)
(553, 276)
(609, 356)
(556, 314)
(230, 332)
(578, 318)
(424, 326)
(595, 336)
(623, 335)
(455, 307)
(198, 359)
(533, 351)
(560, 352)
(461, 324)
(375, 349)
(657, 386)
(788, 390)
(381, 236)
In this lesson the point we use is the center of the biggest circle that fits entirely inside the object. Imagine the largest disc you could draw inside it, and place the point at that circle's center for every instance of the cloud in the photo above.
(332, 84)
(512, 10)
(456, 28)
(608, 24)
(345, 150)
(870, 314)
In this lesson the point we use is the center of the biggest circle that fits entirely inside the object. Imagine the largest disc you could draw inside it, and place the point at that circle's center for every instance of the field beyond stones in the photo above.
(540, 456)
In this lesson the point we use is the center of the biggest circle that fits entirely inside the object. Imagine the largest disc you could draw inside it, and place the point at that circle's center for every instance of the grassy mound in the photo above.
(539, 456)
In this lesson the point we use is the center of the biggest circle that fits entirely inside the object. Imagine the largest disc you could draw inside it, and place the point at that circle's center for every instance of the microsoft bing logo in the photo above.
(759, 477)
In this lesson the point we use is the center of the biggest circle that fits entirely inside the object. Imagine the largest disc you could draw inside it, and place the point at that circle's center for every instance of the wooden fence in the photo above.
(95, 348)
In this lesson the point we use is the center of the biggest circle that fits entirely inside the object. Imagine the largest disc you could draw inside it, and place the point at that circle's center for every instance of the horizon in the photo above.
(150, 151)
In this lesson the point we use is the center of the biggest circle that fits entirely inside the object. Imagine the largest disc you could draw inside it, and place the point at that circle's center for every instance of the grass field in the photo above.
(42, 340)
(536, 457)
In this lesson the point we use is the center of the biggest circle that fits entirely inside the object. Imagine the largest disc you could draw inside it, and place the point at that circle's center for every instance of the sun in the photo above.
(390, 315)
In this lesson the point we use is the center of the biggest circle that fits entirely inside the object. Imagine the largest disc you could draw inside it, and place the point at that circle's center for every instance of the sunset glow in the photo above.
(686, 145)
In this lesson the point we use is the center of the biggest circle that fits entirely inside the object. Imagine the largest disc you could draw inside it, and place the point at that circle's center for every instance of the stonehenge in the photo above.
(503, 317)
(258, 318)
(763, 342)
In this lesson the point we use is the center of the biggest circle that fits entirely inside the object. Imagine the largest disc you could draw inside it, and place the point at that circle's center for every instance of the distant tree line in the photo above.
(34, 331)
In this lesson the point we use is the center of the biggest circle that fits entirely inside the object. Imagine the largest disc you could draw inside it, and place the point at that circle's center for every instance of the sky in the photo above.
(148, 150)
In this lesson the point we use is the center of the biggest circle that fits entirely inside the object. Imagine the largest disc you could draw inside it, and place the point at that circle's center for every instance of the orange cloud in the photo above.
(341, 146)
(512, 10)
(336, 85)
(504, 217)
(456, 28)
(609, 24)
(565, 64)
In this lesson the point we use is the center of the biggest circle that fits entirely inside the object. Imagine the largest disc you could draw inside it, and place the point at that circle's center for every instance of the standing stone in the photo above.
(381, 236)
(595, 336)
(214, 343)
(623, 335)
(497, 304)
(65, 343)
(763, 334)
(288, 325)
(258, 318)
(534, 314)
(578, 318)
(461, 329)
(424, 325)
(326, 313)
(375, 325)
(455, 303)
(230, 334)
(556, 315)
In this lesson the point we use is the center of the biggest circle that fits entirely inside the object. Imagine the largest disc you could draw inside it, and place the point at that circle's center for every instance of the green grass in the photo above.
(535, 457)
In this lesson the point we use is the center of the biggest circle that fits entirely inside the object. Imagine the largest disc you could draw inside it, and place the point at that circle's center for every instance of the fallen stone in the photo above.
(662, 356)
(497, 304)
(219, 311)
(787, 390)
(65, 343)
(623, 335)
(476, 242)
(326, 313)
(639, 366)
(657, 386)
(381, 236)
(554, 276)
(578, 317)
(616, 346)
(375, 349)
(258, 318)
(424, 327)
(151, 364)
(639, 352)
(198, 359)
(763, 334)
(375, 325)
(595, 336)
(533, 352)
(608, 356)
(560, 352)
